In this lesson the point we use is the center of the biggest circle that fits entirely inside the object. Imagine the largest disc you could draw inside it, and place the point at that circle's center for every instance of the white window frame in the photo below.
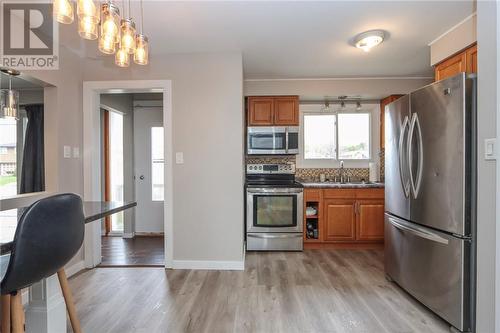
(315, 109)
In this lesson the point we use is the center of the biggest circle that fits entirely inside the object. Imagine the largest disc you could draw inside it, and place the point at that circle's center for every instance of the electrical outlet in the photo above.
(76, 152)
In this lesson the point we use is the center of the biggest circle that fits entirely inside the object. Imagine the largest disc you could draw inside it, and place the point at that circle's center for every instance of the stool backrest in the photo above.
(49, 233)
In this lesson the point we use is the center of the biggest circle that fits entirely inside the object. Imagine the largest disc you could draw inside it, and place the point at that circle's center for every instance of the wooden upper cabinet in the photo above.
(273, 110)
(465, 61)
(339, 220)
(370, 220)
(471, 56)
(260, 111)
(286, 110)
(383, 103)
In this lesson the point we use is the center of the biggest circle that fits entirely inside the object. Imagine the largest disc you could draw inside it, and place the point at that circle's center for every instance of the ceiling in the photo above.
(19, 82)
(296, 39)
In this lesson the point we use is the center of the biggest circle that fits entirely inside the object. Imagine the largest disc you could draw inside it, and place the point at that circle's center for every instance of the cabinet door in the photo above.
(451, 66)
(471, 55)
(286, 110)
(370, 220)
(260, 111)
(339, 220)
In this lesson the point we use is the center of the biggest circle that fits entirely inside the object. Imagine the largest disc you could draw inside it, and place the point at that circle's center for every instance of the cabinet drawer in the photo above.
(312, 195)
(336, 193)
(370, 193)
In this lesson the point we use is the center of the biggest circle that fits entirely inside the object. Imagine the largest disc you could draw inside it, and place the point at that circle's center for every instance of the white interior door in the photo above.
(149, 165)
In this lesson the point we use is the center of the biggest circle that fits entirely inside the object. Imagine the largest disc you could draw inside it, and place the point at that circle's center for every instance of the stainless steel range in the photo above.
(274, 208)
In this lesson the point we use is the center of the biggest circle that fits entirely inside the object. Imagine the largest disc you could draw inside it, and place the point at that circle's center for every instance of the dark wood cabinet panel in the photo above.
(465, 61)
(286, 111)
(339, 221)
(273, 110)
(370, 220)
(260, 111)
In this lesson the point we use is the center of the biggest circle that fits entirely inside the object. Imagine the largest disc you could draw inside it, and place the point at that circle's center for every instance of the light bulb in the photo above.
(110, 24)
(107, 45)
(122, 58)
(63, 11)
(128, 35)
(87, 9)
(87, 28)
(141, 53)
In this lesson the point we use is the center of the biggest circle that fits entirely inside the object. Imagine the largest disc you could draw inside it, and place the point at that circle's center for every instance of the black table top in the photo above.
(93, 210)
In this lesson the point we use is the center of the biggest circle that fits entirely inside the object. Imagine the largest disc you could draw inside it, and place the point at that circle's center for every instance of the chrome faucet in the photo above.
(341, 172)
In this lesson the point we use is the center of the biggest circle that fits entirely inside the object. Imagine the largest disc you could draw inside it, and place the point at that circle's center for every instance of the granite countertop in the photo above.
(313, 184)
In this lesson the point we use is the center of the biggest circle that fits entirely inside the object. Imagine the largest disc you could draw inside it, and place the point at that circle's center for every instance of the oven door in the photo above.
(274, 209)
(267, 140)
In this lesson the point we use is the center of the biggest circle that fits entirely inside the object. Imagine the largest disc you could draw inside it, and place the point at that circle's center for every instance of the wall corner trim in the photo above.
(209, 264)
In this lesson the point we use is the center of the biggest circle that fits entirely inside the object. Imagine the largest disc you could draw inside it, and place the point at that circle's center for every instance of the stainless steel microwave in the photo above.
(273, 140)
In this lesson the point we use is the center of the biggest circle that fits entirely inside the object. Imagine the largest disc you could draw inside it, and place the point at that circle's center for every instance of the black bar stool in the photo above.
(49, 233)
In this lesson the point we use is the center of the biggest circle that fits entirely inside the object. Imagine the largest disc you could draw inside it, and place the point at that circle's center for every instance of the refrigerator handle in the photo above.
(415, 184)
(402, 154)
(420, 156)
(418, 231)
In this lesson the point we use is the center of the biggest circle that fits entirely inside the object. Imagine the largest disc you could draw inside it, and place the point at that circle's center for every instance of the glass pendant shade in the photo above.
(10, 103)
(141, 54)
(107, 45)
(122, 58)
(87, 9)
(63, 11)
(128, 35)
(87, 28)
(110, 22)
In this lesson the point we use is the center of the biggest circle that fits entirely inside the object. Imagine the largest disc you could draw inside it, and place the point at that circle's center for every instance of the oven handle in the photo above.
(274, 190)
(271, 236)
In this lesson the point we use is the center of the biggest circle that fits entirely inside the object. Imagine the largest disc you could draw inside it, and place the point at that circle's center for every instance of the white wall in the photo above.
(454, 40)
(488, 234)
(208, 128)
(369, 88)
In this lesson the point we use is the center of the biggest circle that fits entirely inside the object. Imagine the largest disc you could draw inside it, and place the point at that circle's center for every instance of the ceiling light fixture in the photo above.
(88, 19)
(128, 33)
(63, 11)
(9, 99)
(141, 54)
(369, 39)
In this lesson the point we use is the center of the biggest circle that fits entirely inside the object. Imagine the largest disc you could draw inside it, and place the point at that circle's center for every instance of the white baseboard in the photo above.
(148, 234)
(128, 235)
(75, 268)
(209, 264)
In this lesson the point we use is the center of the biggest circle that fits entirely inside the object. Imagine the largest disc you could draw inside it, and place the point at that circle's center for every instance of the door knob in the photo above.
(141, 177)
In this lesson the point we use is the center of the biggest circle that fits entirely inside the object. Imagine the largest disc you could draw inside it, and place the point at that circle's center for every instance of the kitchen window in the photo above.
(330, 137)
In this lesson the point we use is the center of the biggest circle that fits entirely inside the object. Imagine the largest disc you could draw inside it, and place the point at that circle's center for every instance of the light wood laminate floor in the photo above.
(312, 291)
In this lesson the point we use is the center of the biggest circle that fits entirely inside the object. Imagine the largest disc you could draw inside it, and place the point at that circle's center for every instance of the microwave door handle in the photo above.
(286, 140)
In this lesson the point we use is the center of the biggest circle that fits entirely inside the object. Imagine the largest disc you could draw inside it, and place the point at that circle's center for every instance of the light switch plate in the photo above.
(76, 152)
(67, 152)
(490, 149)
(179, 158)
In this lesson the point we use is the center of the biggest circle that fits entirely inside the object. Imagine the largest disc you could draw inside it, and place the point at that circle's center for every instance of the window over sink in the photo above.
(328, 137)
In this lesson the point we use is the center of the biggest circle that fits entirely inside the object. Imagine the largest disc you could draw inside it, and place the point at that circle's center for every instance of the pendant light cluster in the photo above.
(116, 35)
(9, 99)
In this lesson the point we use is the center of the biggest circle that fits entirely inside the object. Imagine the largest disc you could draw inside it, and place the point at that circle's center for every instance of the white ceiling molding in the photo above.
(470, 17)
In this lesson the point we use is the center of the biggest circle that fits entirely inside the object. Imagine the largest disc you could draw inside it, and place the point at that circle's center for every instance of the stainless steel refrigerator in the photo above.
(430, 191)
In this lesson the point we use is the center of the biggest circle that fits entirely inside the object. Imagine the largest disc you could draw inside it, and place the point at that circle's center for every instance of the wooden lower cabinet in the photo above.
(339, 220)
(370, 220)
(346, 217)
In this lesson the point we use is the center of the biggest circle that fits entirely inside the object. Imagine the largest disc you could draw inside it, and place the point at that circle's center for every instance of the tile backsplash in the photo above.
(312, 174)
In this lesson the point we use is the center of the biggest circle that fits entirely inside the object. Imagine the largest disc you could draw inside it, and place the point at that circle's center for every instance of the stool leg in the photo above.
(17, 313)
(5, 314)
(68, 298)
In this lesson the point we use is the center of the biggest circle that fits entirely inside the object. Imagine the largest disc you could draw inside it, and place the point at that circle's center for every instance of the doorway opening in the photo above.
(133, 163)
(134, 167)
